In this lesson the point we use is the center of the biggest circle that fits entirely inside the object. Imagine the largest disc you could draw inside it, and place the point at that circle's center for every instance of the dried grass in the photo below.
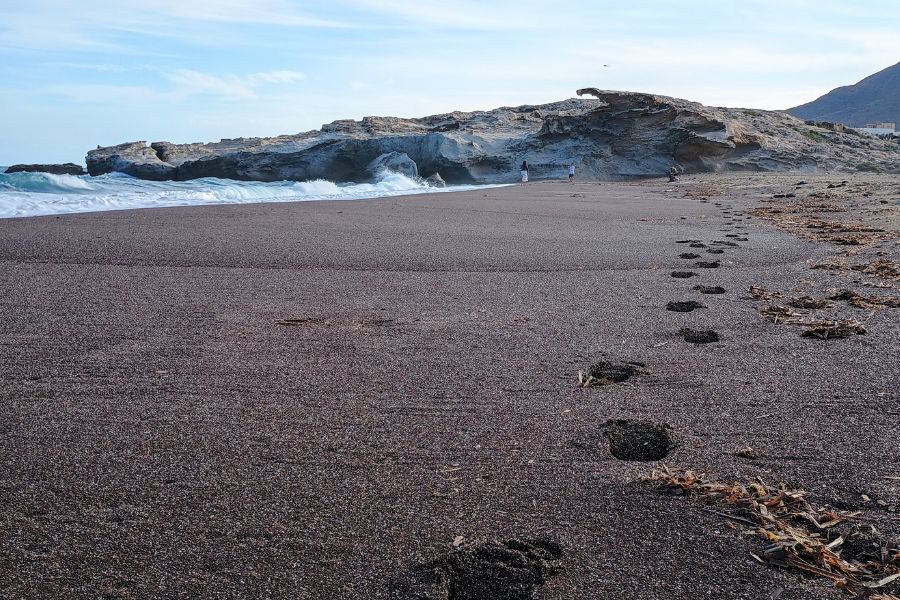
(829, 330)
(882, 267)
(763, 294)
(808, 302)
(779, 314)
(860, 301)
(796, 532)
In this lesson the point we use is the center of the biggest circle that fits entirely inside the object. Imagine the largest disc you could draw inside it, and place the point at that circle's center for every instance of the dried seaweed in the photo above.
(796, 531)
(860, 301)
(779, 314)
(881, 267)
(762, 293)
(829, 330)
(808, 302)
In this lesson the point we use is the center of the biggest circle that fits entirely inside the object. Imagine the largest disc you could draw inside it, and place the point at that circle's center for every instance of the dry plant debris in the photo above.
(829, 330)
(881, 267)
(808, 302)
(763, 294)
(797, 533)
(860, 301)
(779, 314)
(747, 452)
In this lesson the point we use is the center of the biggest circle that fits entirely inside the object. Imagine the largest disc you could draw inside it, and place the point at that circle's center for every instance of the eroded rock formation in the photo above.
(63, 169)
(617, 135)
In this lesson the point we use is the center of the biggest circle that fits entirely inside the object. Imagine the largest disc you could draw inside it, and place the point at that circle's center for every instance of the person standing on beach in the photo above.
(524, 171)
(673, 173)
(572, 171)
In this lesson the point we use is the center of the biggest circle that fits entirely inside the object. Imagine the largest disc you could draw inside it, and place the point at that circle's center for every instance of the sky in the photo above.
(75, 74)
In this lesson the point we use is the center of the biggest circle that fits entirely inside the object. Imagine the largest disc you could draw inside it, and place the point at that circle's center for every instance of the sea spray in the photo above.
(33, 194)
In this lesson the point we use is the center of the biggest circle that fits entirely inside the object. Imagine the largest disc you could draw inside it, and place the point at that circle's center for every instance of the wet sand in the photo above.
(308, 400)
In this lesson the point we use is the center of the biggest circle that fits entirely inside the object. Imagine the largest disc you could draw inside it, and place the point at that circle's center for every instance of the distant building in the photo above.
(879, 129)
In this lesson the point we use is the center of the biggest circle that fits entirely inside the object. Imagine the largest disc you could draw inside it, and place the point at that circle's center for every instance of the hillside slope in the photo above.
(875, 98)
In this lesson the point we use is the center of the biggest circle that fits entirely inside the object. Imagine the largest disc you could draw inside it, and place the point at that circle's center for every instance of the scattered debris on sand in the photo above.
(829, 330)
(763, 294)
(779, 314)
(799, 536)
(861, 301)
(808, 303)
(606, 373)
(698, 337)
(638, 440)
(509, 570)
(881, 267)
(747, 452)
(686, 306)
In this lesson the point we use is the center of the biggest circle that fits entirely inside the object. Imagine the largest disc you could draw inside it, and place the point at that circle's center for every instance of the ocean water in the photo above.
(33, 194)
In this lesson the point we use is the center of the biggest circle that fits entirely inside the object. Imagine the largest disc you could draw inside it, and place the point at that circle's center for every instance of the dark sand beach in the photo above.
(309, 400)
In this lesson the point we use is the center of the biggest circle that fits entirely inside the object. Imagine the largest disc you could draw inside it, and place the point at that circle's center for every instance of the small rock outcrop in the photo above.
(134, 158)
(615, 136)
(398, 162)
(63, 169)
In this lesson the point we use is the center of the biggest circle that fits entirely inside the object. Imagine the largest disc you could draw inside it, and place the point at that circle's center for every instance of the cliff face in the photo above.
(874, 99)
(617, 135)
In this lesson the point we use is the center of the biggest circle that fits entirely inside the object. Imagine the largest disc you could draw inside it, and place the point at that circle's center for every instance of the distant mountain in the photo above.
(875, 98)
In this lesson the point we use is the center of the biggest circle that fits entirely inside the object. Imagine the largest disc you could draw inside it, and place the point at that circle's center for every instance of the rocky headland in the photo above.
(614, 136)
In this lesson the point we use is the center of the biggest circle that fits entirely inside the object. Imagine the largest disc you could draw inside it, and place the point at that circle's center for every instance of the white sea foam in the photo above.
(33, 194)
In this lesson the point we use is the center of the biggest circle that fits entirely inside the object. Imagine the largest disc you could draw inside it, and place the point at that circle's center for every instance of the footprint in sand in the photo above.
(713, 289)
(698, 337)
(639, 440)
(686, 306)
(708, 265)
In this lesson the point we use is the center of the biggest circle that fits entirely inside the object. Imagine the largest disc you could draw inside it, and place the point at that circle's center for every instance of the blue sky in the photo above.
(78, 74)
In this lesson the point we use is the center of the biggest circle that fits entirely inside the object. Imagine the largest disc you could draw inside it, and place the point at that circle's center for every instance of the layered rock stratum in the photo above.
(614, 136)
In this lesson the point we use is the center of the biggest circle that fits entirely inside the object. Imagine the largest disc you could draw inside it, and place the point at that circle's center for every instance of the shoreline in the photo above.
(315, 399)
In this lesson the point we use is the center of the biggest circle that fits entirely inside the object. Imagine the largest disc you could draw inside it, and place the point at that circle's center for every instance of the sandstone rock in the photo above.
(63, 169)
(135, 158)
(397, 162)
(618, 135)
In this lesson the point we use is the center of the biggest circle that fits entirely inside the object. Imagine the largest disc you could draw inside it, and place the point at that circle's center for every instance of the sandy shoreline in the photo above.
(308, 400)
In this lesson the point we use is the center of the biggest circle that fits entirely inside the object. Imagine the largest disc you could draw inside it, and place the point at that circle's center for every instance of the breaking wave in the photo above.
(33, 194)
